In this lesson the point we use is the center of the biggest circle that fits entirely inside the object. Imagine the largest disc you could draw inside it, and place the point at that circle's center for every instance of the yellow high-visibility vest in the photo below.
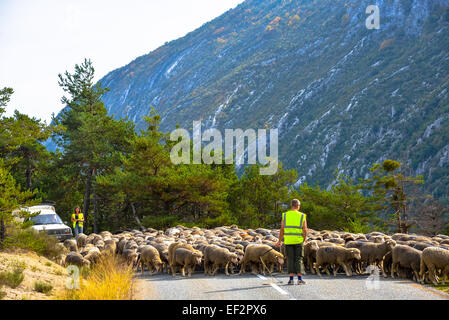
(293, 227)
(80, 216)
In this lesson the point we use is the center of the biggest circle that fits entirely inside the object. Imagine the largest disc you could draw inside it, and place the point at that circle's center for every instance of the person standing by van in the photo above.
(78, 220)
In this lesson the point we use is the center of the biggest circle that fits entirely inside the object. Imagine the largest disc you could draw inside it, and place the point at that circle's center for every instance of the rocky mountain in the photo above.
(342, 96)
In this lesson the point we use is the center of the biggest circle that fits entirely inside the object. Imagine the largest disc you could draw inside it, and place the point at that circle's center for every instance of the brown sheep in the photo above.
(186, 259)
(110, 247)
(70, 244)
(261, 253)
(336, 256)
(93, 255)
(387, 261)
(81, 240)
(310, 250)
(434, 258)
(172, 248)
(373, 253)
(406, 257)
(149, 256)
(163, 254)
(130, 256)
(218, 256)
(85, 250)
(62, 253)
(76, 259)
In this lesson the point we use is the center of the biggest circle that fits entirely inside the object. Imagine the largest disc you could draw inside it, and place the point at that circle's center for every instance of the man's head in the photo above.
(295, 204)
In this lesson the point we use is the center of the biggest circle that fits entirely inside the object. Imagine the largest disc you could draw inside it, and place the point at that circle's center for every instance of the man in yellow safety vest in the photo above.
(294, 233)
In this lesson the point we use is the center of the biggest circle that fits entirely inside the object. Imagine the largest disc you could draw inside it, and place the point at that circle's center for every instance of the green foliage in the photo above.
(12, 278)
(30, 239)
(256, 200)
(42, 287)
(394, 191)
(343, 207)
(160, 222)
(5, 96)
(11, 198)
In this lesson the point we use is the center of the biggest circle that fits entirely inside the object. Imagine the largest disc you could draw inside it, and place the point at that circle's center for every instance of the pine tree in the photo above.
(92, 142)
(11, 199)
(395, 191)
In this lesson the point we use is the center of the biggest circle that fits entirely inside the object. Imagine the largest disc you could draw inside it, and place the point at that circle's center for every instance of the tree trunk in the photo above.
(86, 204)
(95, 209)
(28, 174)
(405, 220)
(2, 231)
(136, 217)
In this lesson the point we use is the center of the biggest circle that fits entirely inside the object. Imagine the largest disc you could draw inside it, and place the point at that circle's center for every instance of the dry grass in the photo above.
(35, 268)
(109, 279)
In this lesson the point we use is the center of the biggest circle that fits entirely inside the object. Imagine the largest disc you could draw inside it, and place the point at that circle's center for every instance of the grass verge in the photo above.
(109, 279)
(444, 288)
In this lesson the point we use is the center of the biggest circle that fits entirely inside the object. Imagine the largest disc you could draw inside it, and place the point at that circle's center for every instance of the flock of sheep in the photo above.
(224, 248)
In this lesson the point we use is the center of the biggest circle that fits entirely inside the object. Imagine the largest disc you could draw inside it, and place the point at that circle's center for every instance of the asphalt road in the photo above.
(252, 287)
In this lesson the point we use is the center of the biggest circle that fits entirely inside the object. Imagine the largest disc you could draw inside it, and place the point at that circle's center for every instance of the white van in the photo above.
(48, 221)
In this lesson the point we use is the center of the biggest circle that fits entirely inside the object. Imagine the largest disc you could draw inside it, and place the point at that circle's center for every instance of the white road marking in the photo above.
(274, 285)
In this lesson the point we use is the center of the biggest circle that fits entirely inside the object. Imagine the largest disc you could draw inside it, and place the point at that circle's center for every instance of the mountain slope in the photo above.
(341, 95)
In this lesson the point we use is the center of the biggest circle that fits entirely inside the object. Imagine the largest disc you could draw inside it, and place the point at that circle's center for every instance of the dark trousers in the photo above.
(295, 255)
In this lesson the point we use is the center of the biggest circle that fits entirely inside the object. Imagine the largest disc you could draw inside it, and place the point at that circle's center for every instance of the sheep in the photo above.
(62, 253)
(110, 247)
(121, 245)
(218, 256)
(387, 260)
(187, 259)
(74, 258)
(70, 244)
(336, 240)
(105, 234)
(131, 256)
(260, 253)
(406, 257)
(131, 244)
(310, 250)
(81, 240)
(336, 256)
(93, 255)
(434, 258)
(373, 253)
(93, 238)
(171, 251)
(85, 250)
(149, 256)
(163, 254)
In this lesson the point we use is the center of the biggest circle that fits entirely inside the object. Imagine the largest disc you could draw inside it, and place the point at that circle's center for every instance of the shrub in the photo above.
(160, 222)
(42, 287)
(12, 278)
(35, 241)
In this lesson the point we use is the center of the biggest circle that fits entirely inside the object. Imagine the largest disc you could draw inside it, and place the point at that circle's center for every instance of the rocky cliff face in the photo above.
(342, 96)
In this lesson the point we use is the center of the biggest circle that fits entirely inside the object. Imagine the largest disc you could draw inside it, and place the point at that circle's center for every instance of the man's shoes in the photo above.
(290, 282)
(300, 282)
